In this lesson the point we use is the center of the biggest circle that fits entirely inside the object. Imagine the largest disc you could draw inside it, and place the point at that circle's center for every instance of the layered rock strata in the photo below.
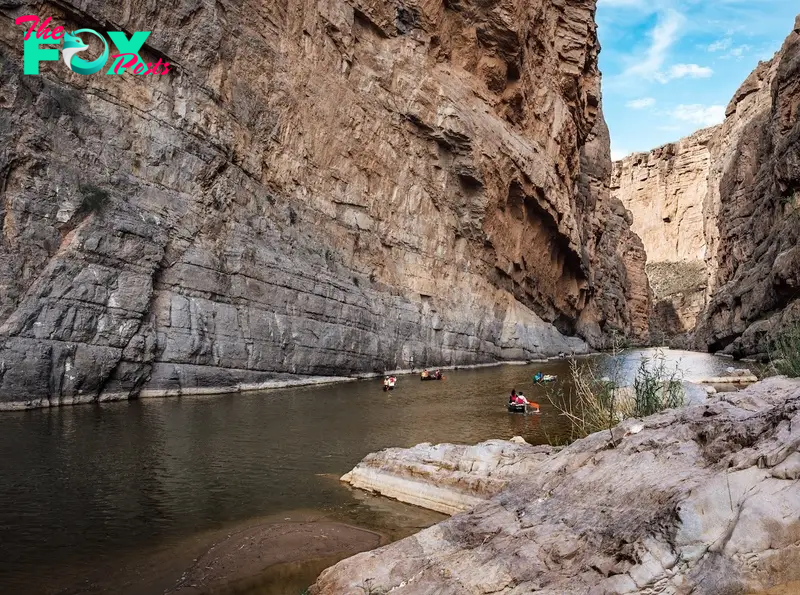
(316, 189)
(665, 190)
(753, 211)
(447, 478)
(701, 500)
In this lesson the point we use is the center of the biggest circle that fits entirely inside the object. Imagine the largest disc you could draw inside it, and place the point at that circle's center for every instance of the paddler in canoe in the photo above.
(518, 403)
(426, 375)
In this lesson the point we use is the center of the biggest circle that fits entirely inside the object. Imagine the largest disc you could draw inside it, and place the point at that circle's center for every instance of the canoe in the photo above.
(729, 380)
(529, 408)
(546, 378)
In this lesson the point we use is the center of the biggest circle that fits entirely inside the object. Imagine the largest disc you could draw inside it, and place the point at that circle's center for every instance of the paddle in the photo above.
(532, 405)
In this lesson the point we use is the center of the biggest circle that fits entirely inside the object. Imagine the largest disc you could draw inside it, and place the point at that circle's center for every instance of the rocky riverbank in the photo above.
(447, 478)
(700, 500)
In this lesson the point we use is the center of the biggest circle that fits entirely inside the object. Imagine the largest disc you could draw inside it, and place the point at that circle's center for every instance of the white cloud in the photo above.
(702, 115)
(663, 36)
(641, 103)
(737, 52)
(679, 71)
(720, 45)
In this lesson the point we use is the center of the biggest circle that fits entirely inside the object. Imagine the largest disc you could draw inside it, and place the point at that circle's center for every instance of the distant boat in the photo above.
(545, 378)
(431, 376)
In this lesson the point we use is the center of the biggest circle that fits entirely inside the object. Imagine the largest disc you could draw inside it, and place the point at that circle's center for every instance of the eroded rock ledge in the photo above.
(447, 478)
(702, 500)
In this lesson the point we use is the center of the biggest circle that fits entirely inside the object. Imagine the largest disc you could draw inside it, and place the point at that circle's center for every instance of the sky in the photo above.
(670, 67)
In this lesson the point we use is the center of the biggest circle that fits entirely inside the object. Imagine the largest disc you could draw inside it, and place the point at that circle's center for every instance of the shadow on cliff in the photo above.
(666, 326)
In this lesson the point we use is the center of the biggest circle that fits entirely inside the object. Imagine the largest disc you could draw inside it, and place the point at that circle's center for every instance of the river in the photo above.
(87, 489)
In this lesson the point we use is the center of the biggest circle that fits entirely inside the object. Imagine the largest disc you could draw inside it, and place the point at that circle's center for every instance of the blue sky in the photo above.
(670, 67)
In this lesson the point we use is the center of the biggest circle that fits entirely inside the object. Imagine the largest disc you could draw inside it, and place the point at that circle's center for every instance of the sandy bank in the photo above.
(257, 555)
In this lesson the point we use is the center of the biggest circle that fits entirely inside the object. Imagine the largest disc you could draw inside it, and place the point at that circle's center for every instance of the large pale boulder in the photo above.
(448, 478)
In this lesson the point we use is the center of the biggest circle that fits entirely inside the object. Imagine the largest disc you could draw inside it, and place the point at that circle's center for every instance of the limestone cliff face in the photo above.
(318, 188)
(753, 210)
(665, 190)
(719, 216)
(617, 252)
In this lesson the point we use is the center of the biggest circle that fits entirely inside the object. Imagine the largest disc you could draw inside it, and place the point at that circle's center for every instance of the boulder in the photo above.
(447, 478)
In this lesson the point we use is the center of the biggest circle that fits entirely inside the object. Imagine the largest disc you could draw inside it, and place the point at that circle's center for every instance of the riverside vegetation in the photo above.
(599, 402)
(786, 356)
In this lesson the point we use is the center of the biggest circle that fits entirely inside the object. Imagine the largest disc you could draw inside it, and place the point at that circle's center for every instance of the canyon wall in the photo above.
(317, 188)
(665, 190)
(753, 211)
(719, 214)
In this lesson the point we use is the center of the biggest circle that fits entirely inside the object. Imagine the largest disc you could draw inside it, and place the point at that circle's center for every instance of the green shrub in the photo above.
(591, 405)
(656, 388)
(786, 355)
(588, 407)
(598, 403)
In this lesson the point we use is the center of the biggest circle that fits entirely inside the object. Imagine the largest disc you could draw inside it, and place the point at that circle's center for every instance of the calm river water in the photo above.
(85, 487)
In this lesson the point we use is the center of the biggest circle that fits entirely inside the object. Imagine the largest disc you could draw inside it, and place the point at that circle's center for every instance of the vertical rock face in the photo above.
(733, 275)
(317, 188)
(753, 210)
(618, 252)
(665, 190)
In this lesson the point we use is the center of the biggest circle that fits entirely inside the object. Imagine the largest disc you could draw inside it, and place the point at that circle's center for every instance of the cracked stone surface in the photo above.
(447, 478)
(316, 189)
(753, 211)
(702, 500)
